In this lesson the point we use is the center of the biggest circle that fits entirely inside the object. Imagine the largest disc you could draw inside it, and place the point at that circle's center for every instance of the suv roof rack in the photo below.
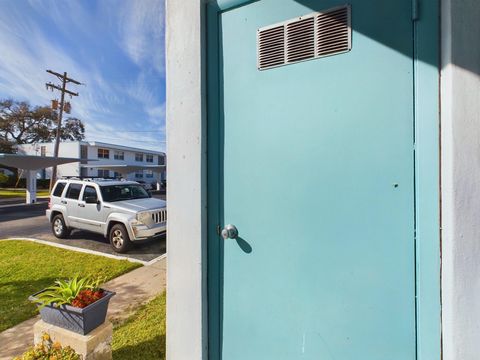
(90, 178)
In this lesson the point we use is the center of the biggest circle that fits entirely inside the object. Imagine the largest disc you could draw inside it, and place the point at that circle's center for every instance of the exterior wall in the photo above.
(186, 295)
(129, 159)
(72, 149)
(66, 149)
(460, 87)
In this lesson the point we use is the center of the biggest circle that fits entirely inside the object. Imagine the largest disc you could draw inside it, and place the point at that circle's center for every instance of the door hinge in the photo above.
(415, 9)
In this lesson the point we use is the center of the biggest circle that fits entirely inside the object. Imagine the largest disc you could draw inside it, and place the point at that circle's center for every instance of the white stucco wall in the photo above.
(460, 88)
(186, 297)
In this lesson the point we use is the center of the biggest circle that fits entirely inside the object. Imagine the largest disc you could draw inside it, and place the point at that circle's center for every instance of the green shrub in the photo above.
(48, 350)
(3, 179)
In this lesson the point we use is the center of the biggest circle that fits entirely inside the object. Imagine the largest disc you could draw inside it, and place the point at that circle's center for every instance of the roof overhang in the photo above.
(32, 162)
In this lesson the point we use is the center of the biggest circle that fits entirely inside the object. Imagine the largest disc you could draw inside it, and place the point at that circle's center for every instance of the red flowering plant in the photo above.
(87, 297)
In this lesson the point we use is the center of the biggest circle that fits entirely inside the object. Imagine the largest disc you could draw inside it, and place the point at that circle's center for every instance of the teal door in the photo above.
(313, 162)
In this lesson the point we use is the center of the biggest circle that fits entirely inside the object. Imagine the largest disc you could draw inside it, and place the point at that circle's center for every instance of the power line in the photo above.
(63, 89)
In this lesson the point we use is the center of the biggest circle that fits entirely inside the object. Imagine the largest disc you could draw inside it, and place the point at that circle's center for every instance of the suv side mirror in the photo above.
(91, 200)
(149, 193)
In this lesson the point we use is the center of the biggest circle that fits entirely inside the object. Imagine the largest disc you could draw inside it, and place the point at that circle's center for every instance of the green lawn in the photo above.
(27, 267)
(13, 193)
(142, 336)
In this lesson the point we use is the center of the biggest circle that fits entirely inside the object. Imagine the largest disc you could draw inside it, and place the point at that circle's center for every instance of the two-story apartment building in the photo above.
(96, 154)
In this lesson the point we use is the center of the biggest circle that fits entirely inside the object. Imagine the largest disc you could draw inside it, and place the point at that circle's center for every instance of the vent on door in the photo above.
(308, 37)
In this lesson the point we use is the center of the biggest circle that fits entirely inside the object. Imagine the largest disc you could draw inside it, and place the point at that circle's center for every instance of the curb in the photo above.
(87, 251)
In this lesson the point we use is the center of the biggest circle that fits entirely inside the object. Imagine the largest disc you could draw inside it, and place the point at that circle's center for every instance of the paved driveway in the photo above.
(29, 221)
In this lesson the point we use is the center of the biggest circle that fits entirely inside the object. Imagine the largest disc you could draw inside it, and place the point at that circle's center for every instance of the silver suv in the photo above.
(123, 211)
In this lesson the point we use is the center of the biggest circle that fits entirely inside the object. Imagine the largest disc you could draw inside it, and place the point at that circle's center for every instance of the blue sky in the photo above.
(114, 47)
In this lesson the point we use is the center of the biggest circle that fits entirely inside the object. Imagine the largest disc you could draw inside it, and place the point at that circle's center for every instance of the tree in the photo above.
(21, 123)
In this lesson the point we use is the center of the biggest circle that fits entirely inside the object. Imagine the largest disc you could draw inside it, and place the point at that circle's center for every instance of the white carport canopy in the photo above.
(125, 169)
(31, 163)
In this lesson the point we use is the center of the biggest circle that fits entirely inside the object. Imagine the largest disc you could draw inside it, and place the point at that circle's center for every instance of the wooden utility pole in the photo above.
(63, 89)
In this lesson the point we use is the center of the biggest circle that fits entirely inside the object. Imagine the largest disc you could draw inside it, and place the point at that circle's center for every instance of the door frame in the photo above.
(426, 163)
(189, 65)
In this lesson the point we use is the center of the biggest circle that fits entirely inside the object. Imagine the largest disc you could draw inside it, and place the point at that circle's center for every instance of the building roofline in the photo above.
(103, 144)
(122, 147)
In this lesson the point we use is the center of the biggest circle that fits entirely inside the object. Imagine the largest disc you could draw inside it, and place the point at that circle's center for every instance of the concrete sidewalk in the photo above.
(133, 289)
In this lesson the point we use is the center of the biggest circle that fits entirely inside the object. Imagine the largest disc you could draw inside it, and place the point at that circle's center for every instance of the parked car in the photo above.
(145, 185)
(122, 211)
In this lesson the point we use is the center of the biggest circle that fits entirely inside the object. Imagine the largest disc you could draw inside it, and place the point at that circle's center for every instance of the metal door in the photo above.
(313, 162)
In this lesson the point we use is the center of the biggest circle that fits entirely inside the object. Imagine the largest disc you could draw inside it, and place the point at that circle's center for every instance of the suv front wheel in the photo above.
(59, 229)
(119, 238)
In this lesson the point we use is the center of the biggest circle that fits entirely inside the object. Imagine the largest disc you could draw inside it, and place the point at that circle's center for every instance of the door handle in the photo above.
(81, 205)
(63, 202)
(229, 232)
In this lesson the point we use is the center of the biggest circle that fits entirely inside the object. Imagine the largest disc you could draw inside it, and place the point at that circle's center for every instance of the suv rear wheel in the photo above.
(119, 238)
(59, 229)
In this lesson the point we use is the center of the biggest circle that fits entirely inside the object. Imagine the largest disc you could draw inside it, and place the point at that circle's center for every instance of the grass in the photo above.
(142, 336)
(14, 193)
(27, 267)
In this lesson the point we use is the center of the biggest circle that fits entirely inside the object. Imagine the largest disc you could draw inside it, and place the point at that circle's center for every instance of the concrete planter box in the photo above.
(78, 320)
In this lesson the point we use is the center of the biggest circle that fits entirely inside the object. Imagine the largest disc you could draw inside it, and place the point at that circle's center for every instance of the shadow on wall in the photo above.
(464, 31)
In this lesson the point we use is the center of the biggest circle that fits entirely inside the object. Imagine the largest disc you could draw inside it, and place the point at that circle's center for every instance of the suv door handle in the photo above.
(63, 202)
(81, 205)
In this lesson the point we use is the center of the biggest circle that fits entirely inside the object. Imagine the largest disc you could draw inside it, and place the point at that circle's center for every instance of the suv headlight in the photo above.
(144, 217)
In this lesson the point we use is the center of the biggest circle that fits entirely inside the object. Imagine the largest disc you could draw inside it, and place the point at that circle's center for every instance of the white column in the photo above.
(186, 240)
(31, 186)
(460, 179)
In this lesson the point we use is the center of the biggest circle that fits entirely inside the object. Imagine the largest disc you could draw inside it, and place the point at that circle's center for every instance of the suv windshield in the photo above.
(112, 193)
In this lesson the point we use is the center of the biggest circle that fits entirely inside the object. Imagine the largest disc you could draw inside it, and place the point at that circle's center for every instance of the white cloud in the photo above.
(142, 28)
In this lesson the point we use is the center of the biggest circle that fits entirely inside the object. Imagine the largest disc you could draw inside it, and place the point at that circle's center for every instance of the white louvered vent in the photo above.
(301, 40)
(308, 37)
(271, 45)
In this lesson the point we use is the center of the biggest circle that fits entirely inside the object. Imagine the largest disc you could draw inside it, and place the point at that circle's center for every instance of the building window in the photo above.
(139, 175)
(103, 173)
(161, 159)
(119, 155)
(149, 158)
(117, 175)
(43, 151)
(149, 174)
(84, 152)
(103, 153)
(138, 157)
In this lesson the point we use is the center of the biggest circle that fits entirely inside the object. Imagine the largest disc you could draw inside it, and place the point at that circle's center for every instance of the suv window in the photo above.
(59, 189)
(123, 192)
(89, 192)
(73, 191)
